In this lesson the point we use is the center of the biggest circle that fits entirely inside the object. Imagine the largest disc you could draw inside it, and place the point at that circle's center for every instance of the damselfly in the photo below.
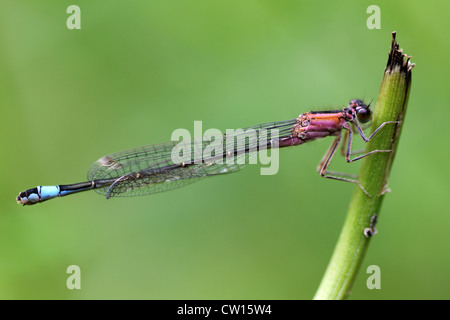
(152, 169)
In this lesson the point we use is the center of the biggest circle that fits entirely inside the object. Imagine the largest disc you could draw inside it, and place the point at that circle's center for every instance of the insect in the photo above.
(151, 169)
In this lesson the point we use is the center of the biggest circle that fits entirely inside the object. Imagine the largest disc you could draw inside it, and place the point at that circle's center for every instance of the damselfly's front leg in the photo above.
(348, 153)
(361, 133)
(344, 141)
(323, 165)
(360, 130)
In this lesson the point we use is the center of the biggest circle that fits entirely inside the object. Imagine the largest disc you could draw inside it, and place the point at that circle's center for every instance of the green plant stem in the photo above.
(352, 244)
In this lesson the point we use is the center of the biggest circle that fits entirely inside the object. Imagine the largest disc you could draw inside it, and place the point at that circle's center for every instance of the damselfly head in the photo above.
(362, 111)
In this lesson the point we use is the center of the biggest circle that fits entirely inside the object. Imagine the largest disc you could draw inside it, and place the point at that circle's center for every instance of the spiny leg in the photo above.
(363, 136)
(323, 165)
(344, 141)
(361, 133)
(327, 157)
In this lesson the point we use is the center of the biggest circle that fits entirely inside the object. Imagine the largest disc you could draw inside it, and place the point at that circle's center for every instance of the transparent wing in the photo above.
(166, 166)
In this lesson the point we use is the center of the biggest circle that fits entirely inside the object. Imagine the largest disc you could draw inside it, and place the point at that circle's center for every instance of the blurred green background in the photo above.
(137, 70)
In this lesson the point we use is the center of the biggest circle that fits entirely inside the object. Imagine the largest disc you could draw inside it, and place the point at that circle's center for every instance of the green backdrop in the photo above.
(137, 70)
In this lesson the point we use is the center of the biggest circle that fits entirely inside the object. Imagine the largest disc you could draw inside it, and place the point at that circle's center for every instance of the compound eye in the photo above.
(363, 115)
